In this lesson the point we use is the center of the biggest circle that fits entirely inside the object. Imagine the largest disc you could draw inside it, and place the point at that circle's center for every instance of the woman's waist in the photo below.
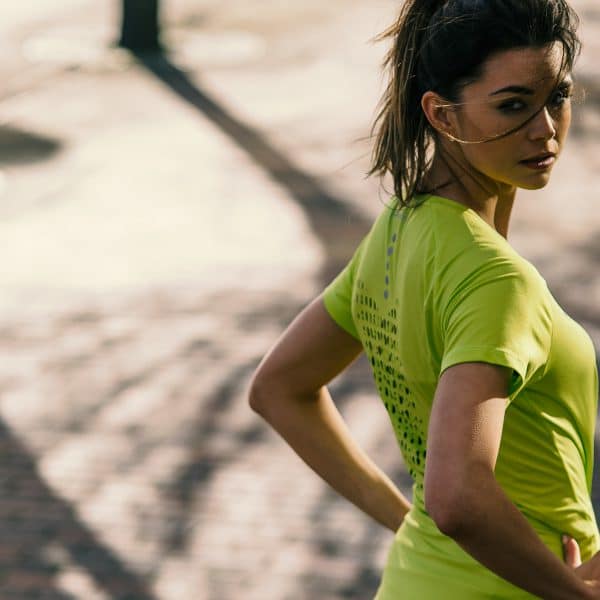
(550, 527)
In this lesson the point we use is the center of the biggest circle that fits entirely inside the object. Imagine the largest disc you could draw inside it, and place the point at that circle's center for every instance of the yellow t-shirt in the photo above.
(434, 285)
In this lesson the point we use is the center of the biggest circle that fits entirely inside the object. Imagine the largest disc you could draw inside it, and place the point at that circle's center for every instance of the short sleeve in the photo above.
(499, 313)
(337, 296)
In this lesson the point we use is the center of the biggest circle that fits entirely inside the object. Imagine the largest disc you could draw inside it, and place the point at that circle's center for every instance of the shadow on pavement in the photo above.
(211, 425)
(38, 528)
(334, 222)
(22, 147)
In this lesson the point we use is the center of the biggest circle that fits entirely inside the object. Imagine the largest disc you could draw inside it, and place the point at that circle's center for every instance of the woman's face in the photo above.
(522, 90)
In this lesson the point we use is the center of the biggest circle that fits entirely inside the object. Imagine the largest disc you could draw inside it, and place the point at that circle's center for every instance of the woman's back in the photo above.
(434, 286)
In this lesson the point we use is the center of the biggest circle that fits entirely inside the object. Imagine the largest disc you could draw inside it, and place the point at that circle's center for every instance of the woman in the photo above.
(490, 387)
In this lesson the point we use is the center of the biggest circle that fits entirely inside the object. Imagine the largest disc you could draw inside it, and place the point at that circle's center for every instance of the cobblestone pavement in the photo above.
(161, 222)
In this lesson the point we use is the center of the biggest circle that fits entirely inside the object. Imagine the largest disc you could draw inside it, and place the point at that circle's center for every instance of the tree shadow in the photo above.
(335, 223)
(18, 146)
(215, 414)
(38, 526)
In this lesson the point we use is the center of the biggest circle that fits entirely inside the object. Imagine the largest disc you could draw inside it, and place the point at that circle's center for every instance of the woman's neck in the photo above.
(492, 201)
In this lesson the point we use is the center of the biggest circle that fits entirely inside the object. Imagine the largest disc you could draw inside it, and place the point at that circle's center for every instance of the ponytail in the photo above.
(403, 139)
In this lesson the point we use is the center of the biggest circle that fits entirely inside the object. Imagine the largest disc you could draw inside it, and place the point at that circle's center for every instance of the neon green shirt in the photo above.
(432, 286)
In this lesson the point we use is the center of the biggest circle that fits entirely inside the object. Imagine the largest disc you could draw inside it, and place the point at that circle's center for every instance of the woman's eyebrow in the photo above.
(519, 89)
(514, 89)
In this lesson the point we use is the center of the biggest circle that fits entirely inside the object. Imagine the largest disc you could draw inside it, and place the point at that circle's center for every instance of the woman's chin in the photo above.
(535, 183)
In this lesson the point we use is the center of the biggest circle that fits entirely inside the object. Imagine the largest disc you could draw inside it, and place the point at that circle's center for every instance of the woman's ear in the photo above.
(438, 112)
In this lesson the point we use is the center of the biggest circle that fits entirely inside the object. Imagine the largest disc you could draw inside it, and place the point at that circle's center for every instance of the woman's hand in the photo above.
(588, 571)
(571, 552)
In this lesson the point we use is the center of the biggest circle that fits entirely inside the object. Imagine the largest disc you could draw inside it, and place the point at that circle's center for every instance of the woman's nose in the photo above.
(543, 126)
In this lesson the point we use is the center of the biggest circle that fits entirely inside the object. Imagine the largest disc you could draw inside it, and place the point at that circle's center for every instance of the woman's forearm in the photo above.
(315, 430)
(491, 528)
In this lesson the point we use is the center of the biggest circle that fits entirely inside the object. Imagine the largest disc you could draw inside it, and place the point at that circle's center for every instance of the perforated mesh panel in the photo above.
(380, 340)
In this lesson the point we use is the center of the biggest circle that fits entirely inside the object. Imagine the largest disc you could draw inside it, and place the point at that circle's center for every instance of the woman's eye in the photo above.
(512, 106)
(560, 97)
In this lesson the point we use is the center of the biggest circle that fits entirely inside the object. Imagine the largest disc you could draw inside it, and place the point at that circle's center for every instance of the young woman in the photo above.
(490, 387)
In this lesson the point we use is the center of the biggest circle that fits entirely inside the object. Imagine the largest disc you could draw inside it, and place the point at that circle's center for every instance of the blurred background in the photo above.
(163, 217)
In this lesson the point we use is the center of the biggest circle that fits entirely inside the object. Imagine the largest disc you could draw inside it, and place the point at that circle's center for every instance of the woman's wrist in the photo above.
(390, 503)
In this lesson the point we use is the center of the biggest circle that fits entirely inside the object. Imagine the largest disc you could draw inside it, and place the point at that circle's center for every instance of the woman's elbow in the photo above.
(446, 508)
(257, 392)
(448, 521)
(266, 387)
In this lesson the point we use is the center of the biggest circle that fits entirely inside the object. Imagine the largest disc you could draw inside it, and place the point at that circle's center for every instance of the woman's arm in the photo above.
(463, 496)
(288, 391)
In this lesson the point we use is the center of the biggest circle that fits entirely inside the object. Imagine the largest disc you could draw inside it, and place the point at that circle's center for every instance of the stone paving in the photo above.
(162, 221)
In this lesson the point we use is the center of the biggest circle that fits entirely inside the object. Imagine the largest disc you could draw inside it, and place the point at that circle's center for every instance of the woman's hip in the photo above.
(424, 564)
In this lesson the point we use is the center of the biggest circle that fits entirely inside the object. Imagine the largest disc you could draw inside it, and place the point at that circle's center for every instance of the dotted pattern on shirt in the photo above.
(380, 340)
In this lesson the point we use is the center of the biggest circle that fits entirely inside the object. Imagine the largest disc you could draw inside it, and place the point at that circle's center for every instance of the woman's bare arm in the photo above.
(288, 391)
(464, 498)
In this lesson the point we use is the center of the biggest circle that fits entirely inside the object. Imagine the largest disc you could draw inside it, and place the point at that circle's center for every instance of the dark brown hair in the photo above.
(442, 45)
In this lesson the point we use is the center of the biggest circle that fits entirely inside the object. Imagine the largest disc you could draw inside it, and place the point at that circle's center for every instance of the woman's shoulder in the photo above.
(451, 238)
(435, 225)
(465, 245)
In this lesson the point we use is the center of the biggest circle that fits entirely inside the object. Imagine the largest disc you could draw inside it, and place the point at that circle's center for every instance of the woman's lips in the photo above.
(540, 163)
